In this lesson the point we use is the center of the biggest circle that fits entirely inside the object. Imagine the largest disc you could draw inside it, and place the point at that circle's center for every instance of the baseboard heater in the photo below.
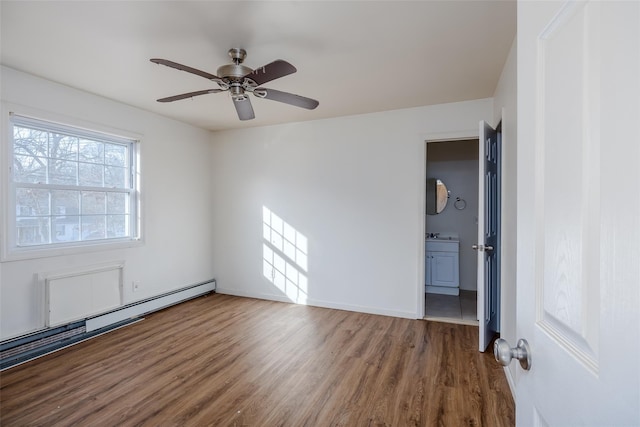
(28, 347)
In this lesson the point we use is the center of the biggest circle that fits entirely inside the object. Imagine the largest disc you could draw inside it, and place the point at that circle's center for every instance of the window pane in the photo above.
(65, 202)
(115, 155)
(90, 174)
(91, 151)
(63, 147)
(30, 141)
(93, 202)
(117, 203)
(29, 169)
(63, 172)
(93, 227)
(32, 231)
(117, 225)
(32, 202)
(66, 228)
(115, 177)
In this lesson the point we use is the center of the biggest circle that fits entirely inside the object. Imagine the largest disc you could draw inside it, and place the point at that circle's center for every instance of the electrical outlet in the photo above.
(135, 286)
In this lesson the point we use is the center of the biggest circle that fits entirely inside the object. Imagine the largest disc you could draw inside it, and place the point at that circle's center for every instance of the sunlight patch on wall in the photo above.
(284, 257)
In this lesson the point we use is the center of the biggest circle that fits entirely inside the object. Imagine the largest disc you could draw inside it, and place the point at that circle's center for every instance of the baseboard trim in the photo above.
(320, 303)
(510, 381)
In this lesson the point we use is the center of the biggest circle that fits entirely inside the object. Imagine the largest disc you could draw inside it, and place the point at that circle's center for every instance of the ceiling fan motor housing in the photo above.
(236, 70)
(233, 71)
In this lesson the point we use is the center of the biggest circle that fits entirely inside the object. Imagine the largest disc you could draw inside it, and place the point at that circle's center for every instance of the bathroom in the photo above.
(451, 225)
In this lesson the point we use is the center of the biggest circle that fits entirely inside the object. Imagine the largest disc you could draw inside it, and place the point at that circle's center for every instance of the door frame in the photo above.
(469, 134)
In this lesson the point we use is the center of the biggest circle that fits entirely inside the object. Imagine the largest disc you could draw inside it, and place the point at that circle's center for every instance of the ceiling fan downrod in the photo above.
(237, 55)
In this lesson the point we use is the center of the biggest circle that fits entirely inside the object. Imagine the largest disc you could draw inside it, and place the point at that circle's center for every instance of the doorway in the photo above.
(451, 230)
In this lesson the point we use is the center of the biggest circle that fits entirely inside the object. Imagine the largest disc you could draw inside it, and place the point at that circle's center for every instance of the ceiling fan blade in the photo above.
(188, 95)
(244, 108)
(185, 68)
(271, 71)
(286, 97)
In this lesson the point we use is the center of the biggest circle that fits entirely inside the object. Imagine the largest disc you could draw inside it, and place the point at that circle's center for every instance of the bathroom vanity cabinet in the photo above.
(442, 272)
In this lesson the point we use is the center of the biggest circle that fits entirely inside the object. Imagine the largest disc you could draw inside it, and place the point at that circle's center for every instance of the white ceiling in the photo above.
(354, 57)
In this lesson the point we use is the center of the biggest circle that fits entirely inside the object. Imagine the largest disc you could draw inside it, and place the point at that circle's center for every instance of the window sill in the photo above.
(20, 254)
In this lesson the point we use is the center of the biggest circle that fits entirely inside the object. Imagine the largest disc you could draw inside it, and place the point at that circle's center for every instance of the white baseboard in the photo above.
(511, 381)
(320, 303)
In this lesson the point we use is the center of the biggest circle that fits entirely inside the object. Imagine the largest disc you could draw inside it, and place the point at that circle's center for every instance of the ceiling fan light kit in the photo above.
(240, 80)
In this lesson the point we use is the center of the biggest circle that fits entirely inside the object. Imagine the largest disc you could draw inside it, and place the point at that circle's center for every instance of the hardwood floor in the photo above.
(227, 361)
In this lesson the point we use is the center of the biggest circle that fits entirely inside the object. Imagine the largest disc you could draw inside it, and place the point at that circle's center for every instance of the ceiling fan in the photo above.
(241, 80)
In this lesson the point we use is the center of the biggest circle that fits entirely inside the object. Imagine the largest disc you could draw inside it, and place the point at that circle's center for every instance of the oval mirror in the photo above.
(437, 196)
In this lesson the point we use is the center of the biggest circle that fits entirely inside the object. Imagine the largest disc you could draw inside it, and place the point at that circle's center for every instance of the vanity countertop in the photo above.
(441, 239)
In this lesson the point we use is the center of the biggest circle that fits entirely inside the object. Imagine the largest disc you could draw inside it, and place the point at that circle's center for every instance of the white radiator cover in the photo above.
(77, 294)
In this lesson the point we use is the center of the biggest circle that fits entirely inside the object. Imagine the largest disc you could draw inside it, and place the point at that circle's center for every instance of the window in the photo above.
(69, 186)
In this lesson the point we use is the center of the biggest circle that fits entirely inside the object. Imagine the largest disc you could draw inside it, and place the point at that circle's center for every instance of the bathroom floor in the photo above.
(457, 309)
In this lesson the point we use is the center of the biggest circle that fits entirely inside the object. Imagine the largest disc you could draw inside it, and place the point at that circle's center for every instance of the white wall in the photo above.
(456, 164)
(354, 186)
(177, 249)
(505, 105)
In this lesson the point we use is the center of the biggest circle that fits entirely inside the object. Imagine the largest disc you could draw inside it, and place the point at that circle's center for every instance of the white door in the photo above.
(579, 213)
(488, 233)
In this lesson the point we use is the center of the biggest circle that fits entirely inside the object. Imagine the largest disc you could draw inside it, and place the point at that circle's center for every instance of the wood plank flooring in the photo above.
(227, 361)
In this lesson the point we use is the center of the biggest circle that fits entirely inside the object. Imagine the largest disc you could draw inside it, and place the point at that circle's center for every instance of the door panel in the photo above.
(488, 233)
(569, 154)
(579, 212)
(444, 269)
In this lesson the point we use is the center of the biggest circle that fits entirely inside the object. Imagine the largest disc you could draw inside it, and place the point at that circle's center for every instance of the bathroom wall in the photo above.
(456, 164)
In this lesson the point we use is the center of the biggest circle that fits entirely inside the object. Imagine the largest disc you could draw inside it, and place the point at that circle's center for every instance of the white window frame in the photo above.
(9, 249)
